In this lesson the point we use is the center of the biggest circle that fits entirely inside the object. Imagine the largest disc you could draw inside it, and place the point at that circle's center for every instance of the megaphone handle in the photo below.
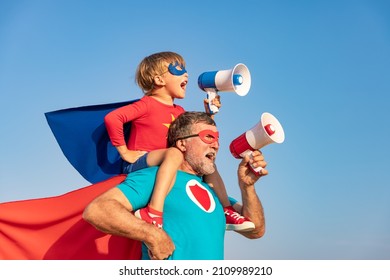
(256, 170)
(211, 94)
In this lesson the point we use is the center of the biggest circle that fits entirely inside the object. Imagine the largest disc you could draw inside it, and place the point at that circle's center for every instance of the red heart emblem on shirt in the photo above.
(200, 196)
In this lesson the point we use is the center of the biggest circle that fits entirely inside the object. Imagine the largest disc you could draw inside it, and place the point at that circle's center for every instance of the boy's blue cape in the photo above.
(83, 138)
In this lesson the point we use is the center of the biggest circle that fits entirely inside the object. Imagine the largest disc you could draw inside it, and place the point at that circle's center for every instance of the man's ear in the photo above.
(159, 81)
(181, 145)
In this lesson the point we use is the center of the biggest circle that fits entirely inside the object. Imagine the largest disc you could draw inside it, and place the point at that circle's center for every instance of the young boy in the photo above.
(162, 77)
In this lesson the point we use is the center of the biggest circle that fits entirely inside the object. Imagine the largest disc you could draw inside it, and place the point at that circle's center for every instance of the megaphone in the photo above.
(268, 130)
(236, 80)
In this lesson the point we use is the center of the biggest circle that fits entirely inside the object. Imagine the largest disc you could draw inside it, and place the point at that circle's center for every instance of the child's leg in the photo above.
(169, 161)
(166, 175)
(216, 182)
(234, 220)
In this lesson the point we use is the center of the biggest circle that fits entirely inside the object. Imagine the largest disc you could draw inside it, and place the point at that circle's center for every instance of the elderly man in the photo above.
(194, 222)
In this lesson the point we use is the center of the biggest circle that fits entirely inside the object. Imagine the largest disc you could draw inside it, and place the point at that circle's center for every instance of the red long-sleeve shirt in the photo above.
(150, 120)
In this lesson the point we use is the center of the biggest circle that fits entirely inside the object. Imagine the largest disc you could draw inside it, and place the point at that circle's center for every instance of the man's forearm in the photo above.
(253, 209)
(111, 213)
(111, 217)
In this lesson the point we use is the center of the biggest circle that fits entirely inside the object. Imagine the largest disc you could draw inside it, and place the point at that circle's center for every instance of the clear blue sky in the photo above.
(321, 67)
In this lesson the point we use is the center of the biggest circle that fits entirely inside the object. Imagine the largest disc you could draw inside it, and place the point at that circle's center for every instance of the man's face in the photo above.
(199, 154)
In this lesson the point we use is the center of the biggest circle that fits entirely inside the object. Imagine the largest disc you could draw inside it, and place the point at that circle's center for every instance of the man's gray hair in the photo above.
(182, 126)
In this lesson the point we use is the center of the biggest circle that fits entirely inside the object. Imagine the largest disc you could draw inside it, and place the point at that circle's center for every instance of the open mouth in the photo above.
(183, 84)
(211, 156)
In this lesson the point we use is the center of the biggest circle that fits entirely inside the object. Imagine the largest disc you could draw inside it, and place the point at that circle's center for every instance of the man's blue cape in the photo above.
(83, 138)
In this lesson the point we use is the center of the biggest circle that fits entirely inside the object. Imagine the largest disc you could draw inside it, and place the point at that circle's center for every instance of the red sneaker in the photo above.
(234, 221)
(143, 214)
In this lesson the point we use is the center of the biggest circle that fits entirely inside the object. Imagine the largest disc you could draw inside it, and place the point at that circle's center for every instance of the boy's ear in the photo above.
(159, 81)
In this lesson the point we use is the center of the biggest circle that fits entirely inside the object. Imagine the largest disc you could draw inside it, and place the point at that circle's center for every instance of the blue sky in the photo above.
(321, 67)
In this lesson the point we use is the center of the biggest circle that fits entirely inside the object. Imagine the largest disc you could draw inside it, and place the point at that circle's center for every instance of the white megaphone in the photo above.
(236, 80)
(267, 131)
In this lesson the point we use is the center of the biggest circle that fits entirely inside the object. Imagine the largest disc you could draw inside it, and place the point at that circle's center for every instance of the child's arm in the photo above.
(114, 122)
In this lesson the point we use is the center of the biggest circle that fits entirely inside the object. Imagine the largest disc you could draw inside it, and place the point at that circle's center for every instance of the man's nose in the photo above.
(215, 145)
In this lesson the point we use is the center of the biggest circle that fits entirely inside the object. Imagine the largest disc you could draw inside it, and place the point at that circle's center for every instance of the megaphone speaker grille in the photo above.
(243, 88)
(268, 130)
(268, 121)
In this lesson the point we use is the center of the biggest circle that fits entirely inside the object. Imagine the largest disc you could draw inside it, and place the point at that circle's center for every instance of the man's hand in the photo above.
(245, 175)
(160, 245)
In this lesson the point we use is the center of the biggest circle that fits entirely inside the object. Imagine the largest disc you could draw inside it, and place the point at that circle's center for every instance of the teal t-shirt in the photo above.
(193, 216)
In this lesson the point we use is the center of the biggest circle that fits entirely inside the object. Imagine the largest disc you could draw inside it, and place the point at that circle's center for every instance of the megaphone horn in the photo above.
(268, 130)
(236, 80)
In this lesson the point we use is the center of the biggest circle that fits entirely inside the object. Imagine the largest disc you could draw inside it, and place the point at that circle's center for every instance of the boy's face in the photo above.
(176, 79)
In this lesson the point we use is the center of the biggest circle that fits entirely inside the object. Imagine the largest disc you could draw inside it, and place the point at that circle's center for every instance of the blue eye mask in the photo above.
(173, 69)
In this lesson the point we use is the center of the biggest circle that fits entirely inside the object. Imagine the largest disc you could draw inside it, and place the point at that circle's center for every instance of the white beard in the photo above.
(200, 166)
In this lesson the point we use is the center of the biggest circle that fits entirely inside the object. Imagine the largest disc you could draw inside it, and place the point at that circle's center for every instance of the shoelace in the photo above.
(235, 215)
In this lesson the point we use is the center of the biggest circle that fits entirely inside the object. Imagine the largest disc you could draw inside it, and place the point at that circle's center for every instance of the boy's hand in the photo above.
(132, 156)
(128, 155)
(216, 102)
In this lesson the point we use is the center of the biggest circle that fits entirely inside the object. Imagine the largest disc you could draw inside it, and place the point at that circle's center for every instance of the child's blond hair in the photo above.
(154, 65)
